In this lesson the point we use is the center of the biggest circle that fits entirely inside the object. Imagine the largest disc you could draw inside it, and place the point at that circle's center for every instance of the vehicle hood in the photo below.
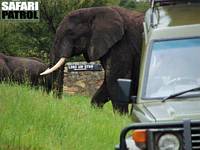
(174, 110)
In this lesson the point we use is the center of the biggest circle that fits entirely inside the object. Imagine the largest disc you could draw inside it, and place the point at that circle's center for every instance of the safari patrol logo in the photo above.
(20, 10)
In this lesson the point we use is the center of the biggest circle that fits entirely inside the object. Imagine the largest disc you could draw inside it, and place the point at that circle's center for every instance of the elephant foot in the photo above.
(120, 108)
(100, 97)
(97, 104)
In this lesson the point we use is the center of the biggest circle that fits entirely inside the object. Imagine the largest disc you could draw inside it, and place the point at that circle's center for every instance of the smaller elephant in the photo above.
(4, 71)
(23, 70)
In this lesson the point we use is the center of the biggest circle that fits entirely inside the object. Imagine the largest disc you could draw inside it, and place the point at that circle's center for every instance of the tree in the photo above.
(35, 38)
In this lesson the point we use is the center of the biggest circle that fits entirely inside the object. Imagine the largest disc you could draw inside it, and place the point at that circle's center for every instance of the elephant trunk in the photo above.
(48, 83)
(56, 75)
(61, 50)
(59, 81)
(54, 78)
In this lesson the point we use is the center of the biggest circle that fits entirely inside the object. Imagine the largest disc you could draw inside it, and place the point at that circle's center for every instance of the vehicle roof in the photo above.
(178, 15)
(177, 32)
(172, 21)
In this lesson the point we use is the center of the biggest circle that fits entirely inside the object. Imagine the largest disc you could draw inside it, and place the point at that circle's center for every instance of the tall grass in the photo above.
(30, 119)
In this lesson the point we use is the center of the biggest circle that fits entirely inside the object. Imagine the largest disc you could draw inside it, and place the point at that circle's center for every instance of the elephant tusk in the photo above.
(55, 67)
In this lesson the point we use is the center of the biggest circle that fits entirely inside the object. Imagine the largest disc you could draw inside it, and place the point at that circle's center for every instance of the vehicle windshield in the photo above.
(174, 67)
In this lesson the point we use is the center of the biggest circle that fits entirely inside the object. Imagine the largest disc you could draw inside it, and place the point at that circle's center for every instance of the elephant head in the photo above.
(90, 31)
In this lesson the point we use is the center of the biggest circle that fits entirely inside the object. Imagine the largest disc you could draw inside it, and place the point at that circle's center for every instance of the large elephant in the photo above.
(112, 35)
(21, 70)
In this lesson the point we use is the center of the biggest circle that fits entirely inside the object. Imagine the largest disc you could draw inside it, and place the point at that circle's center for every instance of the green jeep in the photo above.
(167, 107)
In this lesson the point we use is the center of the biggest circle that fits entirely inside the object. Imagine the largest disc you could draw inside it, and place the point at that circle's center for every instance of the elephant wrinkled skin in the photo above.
(21, 70)
(112, 35)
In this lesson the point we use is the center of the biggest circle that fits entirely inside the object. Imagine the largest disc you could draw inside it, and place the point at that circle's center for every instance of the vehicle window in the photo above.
(174, 67)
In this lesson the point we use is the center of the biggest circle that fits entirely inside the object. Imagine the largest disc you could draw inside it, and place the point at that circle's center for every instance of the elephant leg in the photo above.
(118, 105)
(120, 64)
(34, 81)
(100, 97)
(4, 73)
(121, 108)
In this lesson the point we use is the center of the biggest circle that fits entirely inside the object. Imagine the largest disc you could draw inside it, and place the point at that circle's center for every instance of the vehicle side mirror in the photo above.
(124, 90)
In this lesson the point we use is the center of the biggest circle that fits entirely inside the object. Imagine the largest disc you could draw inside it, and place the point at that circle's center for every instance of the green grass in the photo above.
(30, 120)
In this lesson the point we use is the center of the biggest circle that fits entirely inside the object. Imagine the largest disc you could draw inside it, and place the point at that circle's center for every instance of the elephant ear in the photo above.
(107, 30)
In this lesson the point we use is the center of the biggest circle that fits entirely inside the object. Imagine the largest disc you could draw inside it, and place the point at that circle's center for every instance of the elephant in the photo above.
(112, 35)
(21, 70)
(4, 70)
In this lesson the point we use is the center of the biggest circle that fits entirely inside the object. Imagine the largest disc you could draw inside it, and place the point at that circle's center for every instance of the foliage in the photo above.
(6, 29)
(142, 6)
(127, 4)
(36, 38)
(30, 119)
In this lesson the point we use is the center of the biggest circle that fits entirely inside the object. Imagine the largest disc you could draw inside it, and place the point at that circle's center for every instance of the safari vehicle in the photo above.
(166, 111)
